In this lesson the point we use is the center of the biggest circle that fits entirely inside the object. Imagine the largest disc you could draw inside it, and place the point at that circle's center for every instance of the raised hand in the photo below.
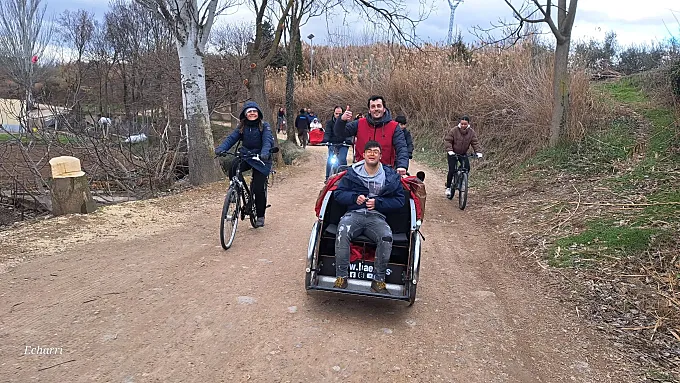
(347, 116)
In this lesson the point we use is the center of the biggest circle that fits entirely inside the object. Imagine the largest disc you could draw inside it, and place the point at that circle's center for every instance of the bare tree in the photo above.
(77, 29)
(262, 52)
(231, 42)
(190, 24)
(103, 56)
(300, 13)
(23, 39)
(534, 12)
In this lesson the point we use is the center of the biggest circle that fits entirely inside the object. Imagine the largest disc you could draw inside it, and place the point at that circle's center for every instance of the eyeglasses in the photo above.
(372, 151)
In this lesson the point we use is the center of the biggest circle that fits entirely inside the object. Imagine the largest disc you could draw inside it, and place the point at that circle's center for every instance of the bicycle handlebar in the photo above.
(473, 155)
(334, 144)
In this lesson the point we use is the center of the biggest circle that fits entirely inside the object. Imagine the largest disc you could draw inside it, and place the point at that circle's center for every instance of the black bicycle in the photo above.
(460, 181)
(239, 201)
(334, 159)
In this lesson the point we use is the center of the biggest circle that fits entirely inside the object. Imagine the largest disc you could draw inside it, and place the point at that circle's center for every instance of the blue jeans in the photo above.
(342, 158)
(373, 226)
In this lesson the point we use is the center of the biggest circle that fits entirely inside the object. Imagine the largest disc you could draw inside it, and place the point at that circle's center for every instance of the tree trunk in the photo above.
(290, 103)
(558, 125)
(290, 82)
(71, 195)
(201, 151)
(256, 79)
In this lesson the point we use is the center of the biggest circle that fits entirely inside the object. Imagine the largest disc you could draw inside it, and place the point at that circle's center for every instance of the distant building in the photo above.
(42, 116)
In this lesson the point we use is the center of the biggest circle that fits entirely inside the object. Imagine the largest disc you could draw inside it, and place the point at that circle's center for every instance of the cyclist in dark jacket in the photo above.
(330, 137)
(407, 135)
(370, 190)
(257, 140)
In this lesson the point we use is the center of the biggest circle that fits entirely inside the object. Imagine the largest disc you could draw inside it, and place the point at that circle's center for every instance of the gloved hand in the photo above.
(265, 157)
(450, 152)
(219, 154)
(479, 155)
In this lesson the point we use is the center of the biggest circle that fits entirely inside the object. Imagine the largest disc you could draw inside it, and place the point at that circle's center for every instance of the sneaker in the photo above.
(259, 222)
(448, 192)
(340, 283)
(377, 287)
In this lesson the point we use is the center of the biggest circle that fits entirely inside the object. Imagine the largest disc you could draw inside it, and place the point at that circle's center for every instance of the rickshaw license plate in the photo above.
(363, 270)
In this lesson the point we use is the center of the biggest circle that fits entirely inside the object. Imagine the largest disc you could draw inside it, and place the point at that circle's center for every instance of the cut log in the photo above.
(71, 195)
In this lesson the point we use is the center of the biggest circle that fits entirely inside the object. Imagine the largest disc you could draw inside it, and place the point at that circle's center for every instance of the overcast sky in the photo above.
(634, 21)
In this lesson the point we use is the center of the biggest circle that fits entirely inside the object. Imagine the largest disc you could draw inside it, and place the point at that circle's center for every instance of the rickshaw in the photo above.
(404, 265)
(316, 136)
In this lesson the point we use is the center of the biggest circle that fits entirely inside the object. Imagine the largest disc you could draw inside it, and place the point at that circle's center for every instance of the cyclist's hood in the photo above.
(248, 105)
(387, 117)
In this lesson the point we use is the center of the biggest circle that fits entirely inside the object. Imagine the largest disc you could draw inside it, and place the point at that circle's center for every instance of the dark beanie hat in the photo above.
(466, 118)
(400, 119)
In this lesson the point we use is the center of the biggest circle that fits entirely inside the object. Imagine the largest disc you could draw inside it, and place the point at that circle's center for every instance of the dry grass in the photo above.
(507, 94)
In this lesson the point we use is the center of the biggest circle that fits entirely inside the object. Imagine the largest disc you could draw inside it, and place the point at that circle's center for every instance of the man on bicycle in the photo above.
(257, 140)
(376, 126)
(369, 190)
(457, 142)
(330, 137)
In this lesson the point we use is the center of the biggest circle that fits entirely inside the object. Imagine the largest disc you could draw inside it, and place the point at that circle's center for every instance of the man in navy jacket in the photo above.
(370, 190)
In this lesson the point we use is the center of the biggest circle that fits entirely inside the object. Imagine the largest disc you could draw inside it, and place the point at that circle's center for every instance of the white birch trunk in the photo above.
(202, 167)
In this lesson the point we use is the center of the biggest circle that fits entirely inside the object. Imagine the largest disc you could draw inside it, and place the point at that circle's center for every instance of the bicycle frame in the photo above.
(241, 186)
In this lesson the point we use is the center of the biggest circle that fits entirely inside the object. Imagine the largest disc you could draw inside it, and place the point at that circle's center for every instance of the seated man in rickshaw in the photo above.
(370, 190)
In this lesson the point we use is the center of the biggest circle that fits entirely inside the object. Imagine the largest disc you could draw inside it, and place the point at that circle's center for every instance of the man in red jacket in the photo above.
(376, 126)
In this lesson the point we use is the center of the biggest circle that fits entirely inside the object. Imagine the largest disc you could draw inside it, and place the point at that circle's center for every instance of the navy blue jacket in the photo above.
(254, 141)
(329, 134)
(390, 199)
(344, 129)
(302, 121)
(409, 142)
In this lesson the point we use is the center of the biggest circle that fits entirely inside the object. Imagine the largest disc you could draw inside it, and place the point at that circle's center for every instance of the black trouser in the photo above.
(454, 161)
(303, 135)
(258, 184)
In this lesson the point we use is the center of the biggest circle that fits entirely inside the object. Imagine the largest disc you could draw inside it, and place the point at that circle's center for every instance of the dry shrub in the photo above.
(506, 93)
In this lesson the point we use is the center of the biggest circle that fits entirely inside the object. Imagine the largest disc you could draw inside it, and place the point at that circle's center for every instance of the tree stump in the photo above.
(71, 195)
(70, 189)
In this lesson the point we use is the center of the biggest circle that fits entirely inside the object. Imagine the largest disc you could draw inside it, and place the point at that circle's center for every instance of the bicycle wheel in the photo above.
(462, 194)
(230, 213)
(334, 169)
(252, 211)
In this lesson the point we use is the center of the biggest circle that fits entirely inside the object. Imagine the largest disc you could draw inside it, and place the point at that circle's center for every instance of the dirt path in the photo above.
(143, 292)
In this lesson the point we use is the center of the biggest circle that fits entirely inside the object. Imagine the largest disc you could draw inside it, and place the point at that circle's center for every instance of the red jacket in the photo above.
(385, 131)
(366, 132)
